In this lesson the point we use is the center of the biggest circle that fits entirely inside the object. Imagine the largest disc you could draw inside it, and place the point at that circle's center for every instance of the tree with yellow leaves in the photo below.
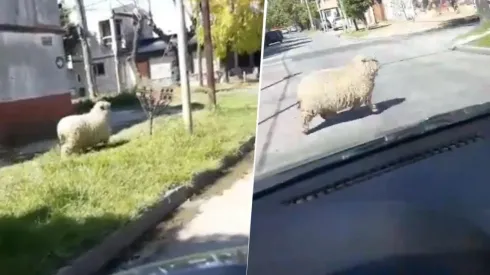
(236, 25)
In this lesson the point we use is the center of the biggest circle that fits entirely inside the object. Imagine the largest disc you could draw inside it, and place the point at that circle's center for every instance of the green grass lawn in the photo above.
(482, 42)
(53, 210)
(356, 34)
(476, 31)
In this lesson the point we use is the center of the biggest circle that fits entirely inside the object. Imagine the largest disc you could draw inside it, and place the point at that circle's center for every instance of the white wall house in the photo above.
(98, 14)
(34, 88)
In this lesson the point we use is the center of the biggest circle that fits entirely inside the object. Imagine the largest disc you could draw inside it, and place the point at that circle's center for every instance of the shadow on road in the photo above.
(261, 157)
(287, 45)
(277, 113)
(356, 114)
(289, 76)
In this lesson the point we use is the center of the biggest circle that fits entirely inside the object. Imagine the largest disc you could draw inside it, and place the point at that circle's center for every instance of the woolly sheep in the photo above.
(329, 91)
(76, 133)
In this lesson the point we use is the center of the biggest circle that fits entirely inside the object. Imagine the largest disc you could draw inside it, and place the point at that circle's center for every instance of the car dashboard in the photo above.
(417, 207)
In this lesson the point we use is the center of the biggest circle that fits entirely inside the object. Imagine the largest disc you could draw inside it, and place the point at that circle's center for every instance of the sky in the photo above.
(164, 12)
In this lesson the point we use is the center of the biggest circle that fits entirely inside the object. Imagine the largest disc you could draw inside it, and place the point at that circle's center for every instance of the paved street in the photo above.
(419, 78)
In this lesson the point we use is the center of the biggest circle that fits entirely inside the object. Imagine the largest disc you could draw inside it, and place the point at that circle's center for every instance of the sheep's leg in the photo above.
(307, 118)
(373, 107)
(66, 150)
(356, 104)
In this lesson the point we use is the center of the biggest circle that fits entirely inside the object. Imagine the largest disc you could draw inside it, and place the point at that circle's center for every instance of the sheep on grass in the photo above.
(329, 91)
(77, 133)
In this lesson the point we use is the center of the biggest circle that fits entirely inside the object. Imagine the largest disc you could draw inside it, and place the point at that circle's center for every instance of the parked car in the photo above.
(326, 26)
(338, 23)
(284, 31)
(272, 37)
(280, 34)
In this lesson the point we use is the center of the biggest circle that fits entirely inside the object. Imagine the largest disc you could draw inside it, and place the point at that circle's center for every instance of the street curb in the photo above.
(110, 248)
(471, 49)
(454, 23)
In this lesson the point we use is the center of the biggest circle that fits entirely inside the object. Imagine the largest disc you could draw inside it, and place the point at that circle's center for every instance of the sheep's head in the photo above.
(371, 65)
(101, 107)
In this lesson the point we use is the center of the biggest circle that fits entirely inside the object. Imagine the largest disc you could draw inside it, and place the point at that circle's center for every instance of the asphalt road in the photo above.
(419, 78)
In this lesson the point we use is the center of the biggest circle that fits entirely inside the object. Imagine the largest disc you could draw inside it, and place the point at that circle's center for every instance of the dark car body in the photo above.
(413, 201)
(231, 261)
(273, 37)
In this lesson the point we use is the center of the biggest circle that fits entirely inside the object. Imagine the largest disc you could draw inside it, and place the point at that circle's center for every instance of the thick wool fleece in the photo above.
(77, 133)
(329, 91)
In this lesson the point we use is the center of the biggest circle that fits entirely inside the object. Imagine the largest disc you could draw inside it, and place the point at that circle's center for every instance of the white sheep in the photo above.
(76, 133)
(329, 91)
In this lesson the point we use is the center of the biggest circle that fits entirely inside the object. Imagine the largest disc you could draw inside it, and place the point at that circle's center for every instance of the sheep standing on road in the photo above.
(76, 133)
(329, 91)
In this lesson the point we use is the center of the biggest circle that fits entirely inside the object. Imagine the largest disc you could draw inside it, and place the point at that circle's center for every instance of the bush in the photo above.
(123, 100)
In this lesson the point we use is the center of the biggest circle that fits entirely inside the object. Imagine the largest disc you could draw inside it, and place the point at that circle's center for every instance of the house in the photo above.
(110, 66)
(34, 86)
(111, 69)
(330, 9)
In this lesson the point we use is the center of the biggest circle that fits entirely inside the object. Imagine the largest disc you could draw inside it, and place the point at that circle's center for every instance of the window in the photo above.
(104, 28)
(118, 27)
(81, 92)
(79, 78)
(99, 69)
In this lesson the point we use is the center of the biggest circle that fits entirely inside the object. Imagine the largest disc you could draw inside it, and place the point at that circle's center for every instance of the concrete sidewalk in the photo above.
(423, 23)
(221, 220)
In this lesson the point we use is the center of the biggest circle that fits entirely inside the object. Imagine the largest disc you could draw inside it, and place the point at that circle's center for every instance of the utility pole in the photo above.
(149, 10)
(115, 50)
(342, 10)
(309, 14)
(87, 57)
(321, 15)
(208, 50)
(184, 77)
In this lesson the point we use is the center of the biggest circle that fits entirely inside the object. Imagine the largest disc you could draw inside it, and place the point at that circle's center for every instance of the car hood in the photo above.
(230, 256)
(385, 138)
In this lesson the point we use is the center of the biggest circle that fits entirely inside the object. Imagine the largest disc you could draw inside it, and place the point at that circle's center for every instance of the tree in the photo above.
(483, 9)
(282, 13)
(235, 26)
(355, 9)
(70, 38)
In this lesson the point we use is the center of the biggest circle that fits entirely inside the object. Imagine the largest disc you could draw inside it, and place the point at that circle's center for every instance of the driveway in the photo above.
(419, 78)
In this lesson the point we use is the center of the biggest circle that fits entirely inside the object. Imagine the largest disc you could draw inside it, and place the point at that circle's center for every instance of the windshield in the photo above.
(230, 257)
(316, 102)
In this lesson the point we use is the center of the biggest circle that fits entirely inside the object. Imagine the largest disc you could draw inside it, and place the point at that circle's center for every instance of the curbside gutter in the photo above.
(471, 49)
(98, 257)
(450, 24)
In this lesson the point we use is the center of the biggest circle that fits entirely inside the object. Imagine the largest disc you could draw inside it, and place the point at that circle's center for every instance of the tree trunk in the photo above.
(227, 65)
(355, 24)
(199, 65)
(150, 121)
(365, 22)
(134, 49)
(483, 9)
